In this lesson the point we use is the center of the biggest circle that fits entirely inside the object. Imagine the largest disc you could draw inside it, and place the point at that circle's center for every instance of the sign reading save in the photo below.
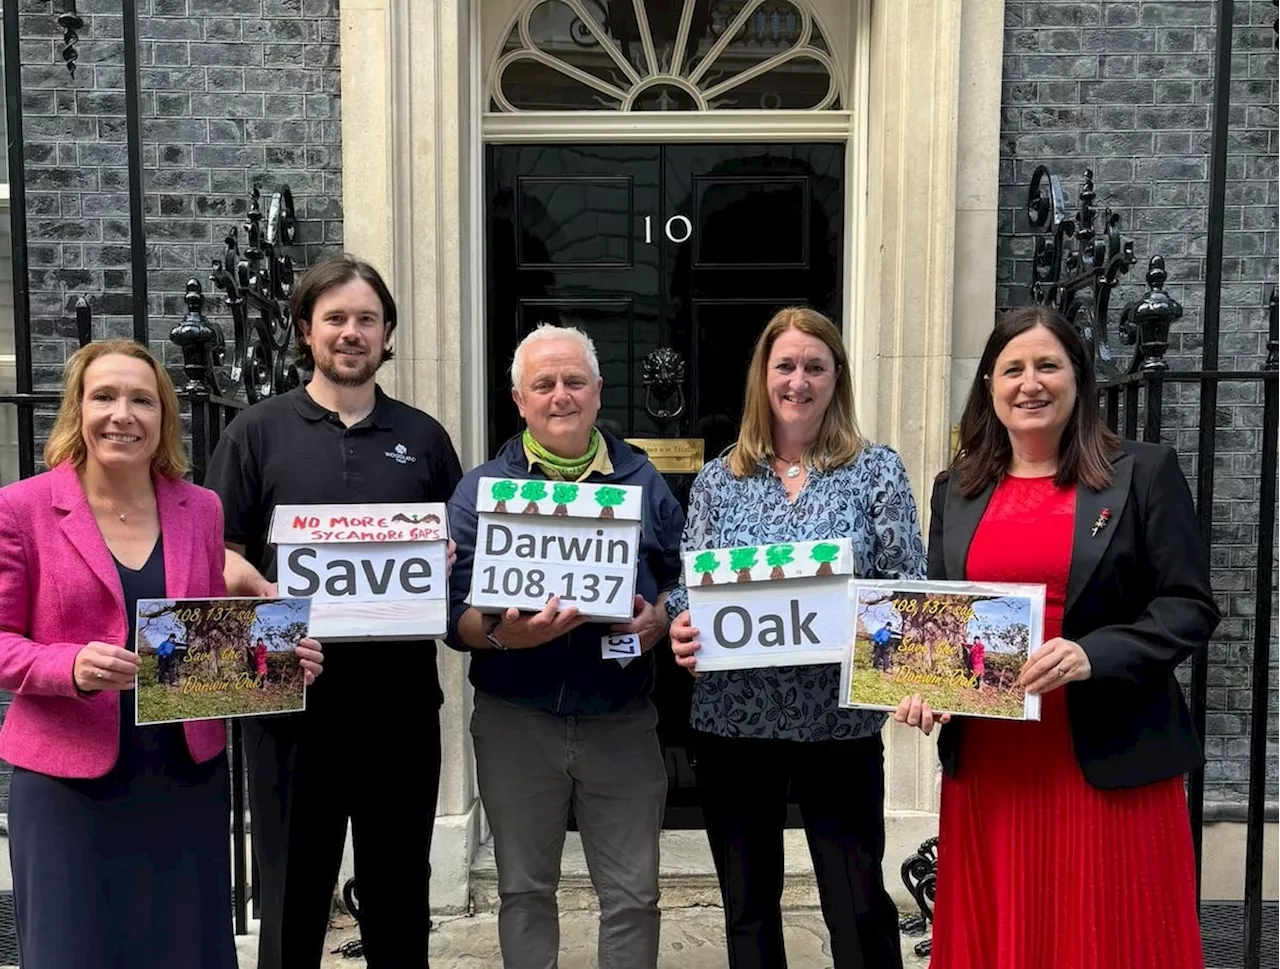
(770, 605)
(537, 538)
(371, 571)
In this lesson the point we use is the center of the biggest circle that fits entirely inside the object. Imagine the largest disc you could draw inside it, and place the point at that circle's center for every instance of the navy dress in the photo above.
(130, 870)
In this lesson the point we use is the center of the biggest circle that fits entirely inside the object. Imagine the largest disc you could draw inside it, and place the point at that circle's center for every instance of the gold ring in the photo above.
(98, 673)
(1061, 671)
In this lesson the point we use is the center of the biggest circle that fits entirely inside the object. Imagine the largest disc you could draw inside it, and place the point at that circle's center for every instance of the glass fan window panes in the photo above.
(665, 55)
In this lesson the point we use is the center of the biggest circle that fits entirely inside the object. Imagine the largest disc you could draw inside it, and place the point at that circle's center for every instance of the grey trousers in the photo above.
(531, 765)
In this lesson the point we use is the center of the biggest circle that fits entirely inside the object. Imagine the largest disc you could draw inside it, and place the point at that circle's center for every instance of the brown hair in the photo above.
(839, 440)
(331, 271)
(66, 441)
(1084, 454)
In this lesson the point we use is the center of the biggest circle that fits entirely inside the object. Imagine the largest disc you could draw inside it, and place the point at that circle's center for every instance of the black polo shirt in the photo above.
(288, 450)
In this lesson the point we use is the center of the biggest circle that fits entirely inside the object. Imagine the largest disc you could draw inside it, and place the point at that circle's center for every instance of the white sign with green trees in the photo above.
(537, 538)
(785, 604)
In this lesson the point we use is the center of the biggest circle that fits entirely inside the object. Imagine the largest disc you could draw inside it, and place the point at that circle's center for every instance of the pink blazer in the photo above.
(59, 590)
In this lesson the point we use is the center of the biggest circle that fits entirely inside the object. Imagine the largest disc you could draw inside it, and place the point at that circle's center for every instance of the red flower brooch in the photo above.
(1101, 522)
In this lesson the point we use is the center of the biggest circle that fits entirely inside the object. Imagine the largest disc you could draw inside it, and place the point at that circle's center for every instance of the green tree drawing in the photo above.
(706, 563)
(564, 495)
(503, 491)
(742, 561)
(533, 492)
(608, 499)
(824, 553)
(778, 556)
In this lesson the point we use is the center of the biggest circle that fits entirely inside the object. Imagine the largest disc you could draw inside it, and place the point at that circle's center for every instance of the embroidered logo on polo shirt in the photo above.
(400, 455)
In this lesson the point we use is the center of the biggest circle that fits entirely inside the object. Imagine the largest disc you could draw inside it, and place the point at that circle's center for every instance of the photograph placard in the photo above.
(785, 604)
(959, 645)
(371, 571)
(206, 659)
(538, 538)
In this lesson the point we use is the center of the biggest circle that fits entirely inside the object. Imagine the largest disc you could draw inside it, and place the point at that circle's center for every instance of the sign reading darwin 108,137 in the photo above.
(538, 538)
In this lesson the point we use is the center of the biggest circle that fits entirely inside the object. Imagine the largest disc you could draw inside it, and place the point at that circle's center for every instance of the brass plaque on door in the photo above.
(672, 455)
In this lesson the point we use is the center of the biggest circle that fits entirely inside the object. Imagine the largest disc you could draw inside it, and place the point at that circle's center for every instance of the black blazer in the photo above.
(1138, 602)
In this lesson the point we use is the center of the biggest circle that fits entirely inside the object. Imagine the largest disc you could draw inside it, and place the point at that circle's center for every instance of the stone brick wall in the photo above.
(1126, 88)
(234, 94)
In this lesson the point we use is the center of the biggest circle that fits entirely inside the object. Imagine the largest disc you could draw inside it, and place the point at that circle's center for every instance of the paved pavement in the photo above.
(692, 938)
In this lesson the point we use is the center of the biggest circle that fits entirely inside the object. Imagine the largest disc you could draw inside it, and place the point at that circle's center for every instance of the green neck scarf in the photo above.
(566, 469)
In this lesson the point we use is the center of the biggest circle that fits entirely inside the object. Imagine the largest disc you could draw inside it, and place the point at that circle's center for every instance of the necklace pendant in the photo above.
(793, 471)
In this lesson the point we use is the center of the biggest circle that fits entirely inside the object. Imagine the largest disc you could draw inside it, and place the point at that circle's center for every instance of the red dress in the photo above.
(1038, 869)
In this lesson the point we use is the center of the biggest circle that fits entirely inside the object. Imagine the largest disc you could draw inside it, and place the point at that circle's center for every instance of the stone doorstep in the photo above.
(687, 876)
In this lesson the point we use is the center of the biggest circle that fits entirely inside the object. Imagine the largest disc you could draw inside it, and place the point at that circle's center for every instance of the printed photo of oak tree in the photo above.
(961, 652)
(211, 658)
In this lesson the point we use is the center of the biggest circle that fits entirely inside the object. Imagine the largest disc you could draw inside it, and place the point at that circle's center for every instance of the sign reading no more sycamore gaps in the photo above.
(538, 538)
(372, 571)
(785, 604)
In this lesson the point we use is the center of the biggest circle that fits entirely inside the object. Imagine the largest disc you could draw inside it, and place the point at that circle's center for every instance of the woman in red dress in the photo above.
(1066, 842)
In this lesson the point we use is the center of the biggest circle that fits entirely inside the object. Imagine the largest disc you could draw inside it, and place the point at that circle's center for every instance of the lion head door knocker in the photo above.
(663, 378)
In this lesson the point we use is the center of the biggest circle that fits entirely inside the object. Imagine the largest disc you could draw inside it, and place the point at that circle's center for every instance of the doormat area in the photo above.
(1222, 929)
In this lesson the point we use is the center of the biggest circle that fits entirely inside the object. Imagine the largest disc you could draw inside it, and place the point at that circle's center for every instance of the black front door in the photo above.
(658, 252)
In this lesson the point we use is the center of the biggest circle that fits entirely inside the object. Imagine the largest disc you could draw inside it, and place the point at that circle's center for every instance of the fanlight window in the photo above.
(665, 55)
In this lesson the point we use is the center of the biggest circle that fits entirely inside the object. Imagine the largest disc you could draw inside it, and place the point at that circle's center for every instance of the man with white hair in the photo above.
(556, 725)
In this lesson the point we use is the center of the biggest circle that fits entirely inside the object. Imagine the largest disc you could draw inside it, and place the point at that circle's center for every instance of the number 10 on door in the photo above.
(678, 229)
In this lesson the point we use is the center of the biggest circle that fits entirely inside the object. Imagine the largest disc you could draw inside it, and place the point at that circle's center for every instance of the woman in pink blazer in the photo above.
(118, 833)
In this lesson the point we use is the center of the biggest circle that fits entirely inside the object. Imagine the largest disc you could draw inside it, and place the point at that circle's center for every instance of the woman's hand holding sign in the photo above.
(310, 657)
(684, 643)
(915, 712)
(1058, 662)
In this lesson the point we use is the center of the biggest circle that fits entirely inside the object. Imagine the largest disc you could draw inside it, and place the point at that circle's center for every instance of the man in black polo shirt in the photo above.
(367, 748)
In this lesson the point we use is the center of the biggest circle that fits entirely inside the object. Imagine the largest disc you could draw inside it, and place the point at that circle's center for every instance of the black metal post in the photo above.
(18, 238)
(1155, 402)
(237, 828)
(1131, 411)
(1254, 859)
(137, 214)
(1113, 408)
(1209, 387)
(200, 448)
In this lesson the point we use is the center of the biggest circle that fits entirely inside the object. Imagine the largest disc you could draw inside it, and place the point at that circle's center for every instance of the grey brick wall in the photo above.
(234, 94)
(1125, 88)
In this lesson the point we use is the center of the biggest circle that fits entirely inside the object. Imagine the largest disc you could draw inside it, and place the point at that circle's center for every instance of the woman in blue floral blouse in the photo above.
(800, 471)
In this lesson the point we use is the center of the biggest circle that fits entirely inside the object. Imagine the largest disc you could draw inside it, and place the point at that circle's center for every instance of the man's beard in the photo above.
(348, 378)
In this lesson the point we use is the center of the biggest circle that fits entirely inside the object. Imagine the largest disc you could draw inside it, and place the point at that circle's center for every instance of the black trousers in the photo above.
(839, 785)
(359, 754)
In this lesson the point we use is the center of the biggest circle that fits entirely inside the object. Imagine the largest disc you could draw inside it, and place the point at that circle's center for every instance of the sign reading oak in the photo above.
(371, 571)
(537, 538)
(770, 605)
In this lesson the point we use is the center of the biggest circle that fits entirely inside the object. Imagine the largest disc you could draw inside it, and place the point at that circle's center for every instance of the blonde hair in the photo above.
(66, 441)
(839, 439)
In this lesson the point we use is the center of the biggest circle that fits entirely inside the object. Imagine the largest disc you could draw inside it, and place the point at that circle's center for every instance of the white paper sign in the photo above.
(543, 544)
(805, 622)
(785, 604)
(371, 571)
(624, 647)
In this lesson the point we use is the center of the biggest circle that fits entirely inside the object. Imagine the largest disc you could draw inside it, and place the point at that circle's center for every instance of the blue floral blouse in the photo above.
(868, 501)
